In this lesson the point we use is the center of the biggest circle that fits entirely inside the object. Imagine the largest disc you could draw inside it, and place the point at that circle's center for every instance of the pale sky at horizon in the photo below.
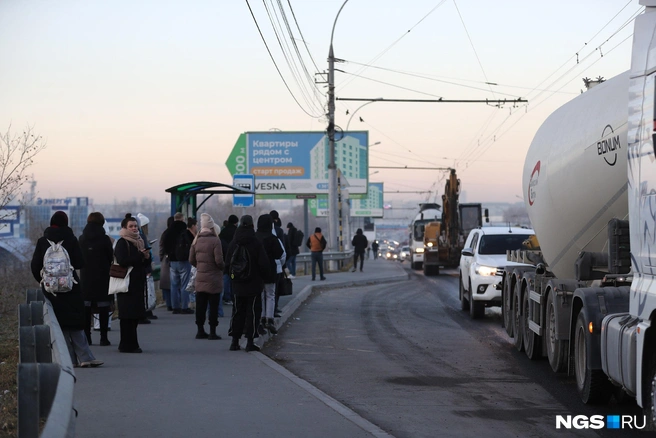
(135, 97)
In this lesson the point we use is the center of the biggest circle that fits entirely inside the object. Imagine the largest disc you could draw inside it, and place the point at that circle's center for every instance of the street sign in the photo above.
(290, 163)
(246, 182)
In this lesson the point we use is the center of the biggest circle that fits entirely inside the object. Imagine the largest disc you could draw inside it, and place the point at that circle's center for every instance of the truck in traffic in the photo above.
(444, 239)
(586, 297)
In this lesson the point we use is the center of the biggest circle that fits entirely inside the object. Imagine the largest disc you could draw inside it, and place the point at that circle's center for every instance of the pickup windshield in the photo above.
(500, 243)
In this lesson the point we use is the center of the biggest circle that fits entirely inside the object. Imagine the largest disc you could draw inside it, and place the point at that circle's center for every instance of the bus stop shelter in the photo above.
(184, 197)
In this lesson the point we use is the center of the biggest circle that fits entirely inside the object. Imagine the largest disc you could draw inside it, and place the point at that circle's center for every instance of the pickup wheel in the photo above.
(593, 385)
(556, 350)
(506, 307)
(476, 308)
(464, 304)
(531, 339)
(518, 321)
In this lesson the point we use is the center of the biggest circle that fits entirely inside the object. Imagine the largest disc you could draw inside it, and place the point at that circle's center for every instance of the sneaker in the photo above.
(104, 342)
(291, 276)
(323, 278)
(169, 308)
(271, 326)
(152, 316)
(234, 346)
(261, 330)
(144, 321)
(187, 311)
(91, 364)
(252, 347)
(177, 311)
(227, 303)
(353, 270)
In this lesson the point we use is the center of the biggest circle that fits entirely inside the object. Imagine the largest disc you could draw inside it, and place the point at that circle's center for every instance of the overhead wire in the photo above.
(301, 35)
(276, 65)
(313, 86)
(282, 42)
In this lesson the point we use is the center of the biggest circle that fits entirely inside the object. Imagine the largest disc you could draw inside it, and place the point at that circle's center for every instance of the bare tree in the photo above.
(17, 152)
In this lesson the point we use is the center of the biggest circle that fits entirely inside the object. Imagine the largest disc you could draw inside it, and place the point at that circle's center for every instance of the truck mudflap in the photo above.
(564, 289)
(596, 303)
(618, 350)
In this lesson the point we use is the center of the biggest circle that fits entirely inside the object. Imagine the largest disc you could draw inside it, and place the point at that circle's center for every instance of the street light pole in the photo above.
(358, 109)
(333, 242)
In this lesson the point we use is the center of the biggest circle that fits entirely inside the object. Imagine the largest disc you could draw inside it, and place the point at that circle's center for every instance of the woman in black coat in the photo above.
(131, 251)
(68, 306)
(98, 255)
(247, 292)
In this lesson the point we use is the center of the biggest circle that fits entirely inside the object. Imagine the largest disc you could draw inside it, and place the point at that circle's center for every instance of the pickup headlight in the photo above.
(429, 244)
(419, 250)
(485, 270)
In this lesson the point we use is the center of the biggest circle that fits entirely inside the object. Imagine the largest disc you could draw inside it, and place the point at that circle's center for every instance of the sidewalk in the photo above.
(181, 386)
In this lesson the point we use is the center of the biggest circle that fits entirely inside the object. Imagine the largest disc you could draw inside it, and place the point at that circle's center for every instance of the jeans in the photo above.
(291, 264)
(78, 347)
(269, 299)
(166, 295)
(317, 258)
(179, 280)
(227, 288)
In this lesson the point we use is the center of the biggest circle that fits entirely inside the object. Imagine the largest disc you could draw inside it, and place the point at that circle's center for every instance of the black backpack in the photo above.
(183, 246)
(298, 238)
(240, 264)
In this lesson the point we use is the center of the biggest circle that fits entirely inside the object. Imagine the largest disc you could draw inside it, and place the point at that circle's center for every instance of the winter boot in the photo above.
(201, 332)
(271, 325)
(213, 334)
(234, 346)
(261, 330)
(250, 345)
(104, 324)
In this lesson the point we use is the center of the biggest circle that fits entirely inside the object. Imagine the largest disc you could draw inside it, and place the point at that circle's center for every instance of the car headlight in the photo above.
(485, 270)
(429, 244)
(418, 250)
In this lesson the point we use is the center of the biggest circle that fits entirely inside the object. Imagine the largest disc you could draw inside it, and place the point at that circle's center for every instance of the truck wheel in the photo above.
(649, 394)
(593, 385)
(532, 346)
(506, 307)
(464, 304)
(518, 321)
(556, 350)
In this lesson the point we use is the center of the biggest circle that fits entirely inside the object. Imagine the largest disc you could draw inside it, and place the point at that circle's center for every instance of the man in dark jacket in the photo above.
(226, 235)
(360, 244)
(274, 251)
(98, 256)
(247, 292)
(68, 306)
(293, 249)
(179, 269)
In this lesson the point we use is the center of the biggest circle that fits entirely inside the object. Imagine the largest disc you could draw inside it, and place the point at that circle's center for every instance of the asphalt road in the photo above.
(403, 356)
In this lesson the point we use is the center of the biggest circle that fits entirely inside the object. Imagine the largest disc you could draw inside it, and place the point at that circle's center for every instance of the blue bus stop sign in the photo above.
(247, 182)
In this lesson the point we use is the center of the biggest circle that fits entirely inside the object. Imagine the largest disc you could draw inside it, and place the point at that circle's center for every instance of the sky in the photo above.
(134, 97)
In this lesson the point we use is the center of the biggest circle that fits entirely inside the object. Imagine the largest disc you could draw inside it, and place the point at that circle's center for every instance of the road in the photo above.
(403, 356)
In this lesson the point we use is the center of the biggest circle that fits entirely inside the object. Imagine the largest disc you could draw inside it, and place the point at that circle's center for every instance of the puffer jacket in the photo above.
(206, 254)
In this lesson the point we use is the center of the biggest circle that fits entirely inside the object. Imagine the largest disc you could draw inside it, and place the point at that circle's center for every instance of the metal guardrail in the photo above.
(46, 379)
(341, 257)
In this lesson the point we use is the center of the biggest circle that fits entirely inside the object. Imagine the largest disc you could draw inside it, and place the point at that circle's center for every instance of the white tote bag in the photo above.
(152, 298)
(120, 285)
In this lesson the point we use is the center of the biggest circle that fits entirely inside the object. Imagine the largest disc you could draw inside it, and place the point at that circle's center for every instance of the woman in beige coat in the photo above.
(207, 256)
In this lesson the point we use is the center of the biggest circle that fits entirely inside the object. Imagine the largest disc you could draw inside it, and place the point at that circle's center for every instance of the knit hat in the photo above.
(246, 221)
(232, 219)
(206, 221)
(59, 219)
(143, 219)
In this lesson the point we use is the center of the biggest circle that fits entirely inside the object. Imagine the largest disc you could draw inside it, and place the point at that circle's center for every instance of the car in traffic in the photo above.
(404, 254)
(483, 255)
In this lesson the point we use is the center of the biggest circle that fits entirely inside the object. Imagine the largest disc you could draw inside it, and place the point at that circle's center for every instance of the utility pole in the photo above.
(333, 242)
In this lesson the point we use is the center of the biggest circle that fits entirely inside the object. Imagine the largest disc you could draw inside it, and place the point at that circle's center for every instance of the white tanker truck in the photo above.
(588, 302)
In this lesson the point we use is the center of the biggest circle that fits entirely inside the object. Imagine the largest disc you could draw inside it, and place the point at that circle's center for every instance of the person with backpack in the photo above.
(295, 238)
(316, 243)
(248, 266)
(55, 257)
(179, 268)
(98, 256)
(131, 250)
(359, 243)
